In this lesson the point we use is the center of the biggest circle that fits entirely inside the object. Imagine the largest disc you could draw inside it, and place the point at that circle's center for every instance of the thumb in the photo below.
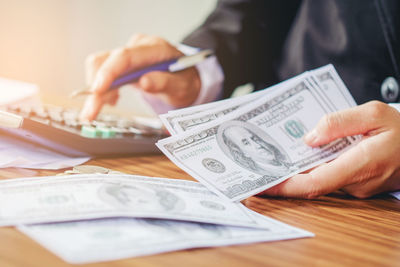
(353, 121)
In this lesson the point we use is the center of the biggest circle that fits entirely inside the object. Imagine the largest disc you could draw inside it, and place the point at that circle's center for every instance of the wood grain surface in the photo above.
(349, 232)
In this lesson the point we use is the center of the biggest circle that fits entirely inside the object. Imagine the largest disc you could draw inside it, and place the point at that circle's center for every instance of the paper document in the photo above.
(17, 92)
(20, 154)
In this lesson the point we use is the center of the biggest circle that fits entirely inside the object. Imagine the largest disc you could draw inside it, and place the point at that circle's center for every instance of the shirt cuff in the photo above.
(211, 77)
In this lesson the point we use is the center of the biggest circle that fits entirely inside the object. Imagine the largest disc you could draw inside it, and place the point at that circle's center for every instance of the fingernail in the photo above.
(311, 137)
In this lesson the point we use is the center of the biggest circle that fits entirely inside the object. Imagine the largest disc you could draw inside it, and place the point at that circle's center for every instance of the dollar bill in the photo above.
(332, 88)
(113, 239)
(257, 145)
(324, 81)
(173, 117)
(168, 119)
(208, 111)
(78, 197)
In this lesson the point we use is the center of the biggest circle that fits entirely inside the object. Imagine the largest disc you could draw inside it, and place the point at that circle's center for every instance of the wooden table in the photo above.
(349, 232)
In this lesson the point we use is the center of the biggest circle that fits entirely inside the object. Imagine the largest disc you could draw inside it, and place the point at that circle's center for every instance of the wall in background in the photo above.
(46, 41)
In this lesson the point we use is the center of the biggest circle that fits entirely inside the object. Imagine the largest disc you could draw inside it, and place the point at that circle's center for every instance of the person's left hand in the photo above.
(370, 167)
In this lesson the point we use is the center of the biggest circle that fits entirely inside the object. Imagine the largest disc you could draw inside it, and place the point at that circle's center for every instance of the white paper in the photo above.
(19, 154)
(13, 92)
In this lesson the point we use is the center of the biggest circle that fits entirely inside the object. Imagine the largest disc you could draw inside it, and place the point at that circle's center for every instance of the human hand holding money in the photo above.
(366, 169)
(248, 145)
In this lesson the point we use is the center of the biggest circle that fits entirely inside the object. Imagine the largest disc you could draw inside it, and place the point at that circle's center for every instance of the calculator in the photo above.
(60, 130)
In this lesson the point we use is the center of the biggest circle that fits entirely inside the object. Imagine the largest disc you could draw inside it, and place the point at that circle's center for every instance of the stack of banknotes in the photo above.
(107, 215)
(242, 146)
(235, 148)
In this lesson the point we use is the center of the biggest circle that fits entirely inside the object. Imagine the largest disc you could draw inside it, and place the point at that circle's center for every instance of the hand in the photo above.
(370, 167)
(178, 89)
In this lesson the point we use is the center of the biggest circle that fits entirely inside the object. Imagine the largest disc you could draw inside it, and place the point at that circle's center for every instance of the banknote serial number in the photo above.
(196, 152)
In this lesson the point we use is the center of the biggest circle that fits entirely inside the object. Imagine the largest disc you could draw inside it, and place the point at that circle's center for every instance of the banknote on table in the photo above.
(112, 239)
(78, 197)
(325, 81)
(259, 144)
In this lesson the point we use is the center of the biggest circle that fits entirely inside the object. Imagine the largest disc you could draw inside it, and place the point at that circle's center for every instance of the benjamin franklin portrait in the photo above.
(140, 197)
(252, 148)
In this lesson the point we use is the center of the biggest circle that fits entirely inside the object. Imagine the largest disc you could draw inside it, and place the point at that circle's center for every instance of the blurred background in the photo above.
(45, 42)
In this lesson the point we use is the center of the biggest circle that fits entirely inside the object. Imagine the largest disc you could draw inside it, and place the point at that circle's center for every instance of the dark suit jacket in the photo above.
(264, 42)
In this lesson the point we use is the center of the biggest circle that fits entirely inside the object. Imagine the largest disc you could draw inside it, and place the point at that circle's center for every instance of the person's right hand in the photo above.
(370, 167)
(178, 89)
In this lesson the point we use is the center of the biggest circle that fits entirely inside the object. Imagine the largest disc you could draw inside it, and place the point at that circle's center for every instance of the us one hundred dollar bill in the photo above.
(325, 80)
(168, 119)
(260, 144)
(90, 196)
(203, 114)
(113, 239)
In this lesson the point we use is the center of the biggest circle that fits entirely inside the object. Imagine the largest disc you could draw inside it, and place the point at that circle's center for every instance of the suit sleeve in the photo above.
(247, 37)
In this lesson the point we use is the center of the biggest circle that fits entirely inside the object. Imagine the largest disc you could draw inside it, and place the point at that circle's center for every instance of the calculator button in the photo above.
(135, 130)
(70, 115)
(84, 123)
(120, 130)
(106, 132)
(25, 111)
(89, 131)
(40, 112)
(56, 116)
(71, 123)
(97, 123)
(108, 118)
(125, 123)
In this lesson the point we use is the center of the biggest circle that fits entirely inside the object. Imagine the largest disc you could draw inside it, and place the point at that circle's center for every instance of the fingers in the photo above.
(383, 182)
(115, 65)
(143, 50)
(358, 120)
(366, 169)
(348, 168)
(128, 59)
(95, 102)
(96, 60)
